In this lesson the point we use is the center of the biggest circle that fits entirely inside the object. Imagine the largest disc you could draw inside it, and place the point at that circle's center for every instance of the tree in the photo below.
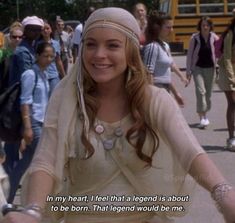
(66, 9)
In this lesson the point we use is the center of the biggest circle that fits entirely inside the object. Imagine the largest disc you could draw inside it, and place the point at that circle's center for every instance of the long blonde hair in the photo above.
(136, 85)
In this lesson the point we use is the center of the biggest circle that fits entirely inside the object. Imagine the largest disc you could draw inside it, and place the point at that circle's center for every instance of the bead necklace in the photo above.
(108, 140)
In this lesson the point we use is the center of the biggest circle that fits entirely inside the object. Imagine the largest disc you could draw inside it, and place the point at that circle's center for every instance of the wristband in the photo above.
(25, 117)
(34, 211)
(219, 192)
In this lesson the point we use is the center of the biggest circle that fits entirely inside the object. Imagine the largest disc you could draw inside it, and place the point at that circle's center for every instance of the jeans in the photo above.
(16, 167)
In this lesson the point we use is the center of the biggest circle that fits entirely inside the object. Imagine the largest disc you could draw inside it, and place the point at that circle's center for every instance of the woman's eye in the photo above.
(90, 44)
(114, 46)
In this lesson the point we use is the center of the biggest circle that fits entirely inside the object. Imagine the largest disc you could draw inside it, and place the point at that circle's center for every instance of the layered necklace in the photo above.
(108, 137)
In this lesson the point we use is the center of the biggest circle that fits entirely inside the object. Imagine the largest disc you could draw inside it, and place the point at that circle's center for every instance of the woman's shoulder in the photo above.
(28, 73)
(214, 35)
(155, 93)
(152, 44)
(195, 35)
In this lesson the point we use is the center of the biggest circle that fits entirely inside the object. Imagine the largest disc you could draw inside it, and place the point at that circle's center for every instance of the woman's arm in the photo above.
(207, 175)
(28, 84)
(40, 191)
(60, 66)
(27, 132)
(177, 71)
(36, 197)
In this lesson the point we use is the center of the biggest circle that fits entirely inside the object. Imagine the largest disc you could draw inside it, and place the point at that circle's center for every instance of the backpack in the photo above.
(10, 115)
(219, 44)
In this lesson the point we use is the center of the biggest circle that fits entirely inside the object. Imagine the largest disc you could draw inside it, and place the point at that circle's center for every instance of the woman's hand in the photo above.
(188, 76)
(28, 135)
(18, 217)
(185, 81)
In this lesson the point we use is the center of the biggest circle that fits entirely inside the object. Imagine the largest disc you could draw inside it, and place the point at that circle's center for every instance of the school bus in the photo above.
(187, 13)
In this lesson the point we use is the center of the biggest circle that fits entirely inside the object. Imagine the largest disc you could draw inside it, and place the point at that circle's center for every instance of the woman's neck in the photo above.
(41, 67)
(106, 91)
(47, 39)
(205, 34)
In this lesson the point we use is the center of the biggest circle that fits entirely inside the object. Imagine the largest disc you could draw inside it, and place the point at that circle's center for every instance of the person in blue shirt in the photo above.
(56, 69)
(24, 55)
(22, 59)
(33, 102)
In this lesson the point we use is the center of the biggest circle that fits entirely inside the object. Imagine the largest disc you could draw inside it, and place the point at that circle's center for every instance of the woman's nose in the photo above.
(100, 51)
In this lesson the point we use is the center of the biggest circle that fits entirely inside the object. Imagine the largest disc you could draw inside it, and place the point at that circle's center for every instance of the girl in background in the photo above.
(34, 98)
(201, 64)
(226, 80)
(55, 70)
(157, 56)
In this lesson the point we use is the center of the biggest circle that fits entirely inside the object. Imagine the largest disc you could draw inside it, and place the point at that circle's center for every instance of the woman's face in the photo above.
(205, 26)
(166, 29)
(140, 11)
(16, 37)
(46, 57)
(46, 31)
(104, 55)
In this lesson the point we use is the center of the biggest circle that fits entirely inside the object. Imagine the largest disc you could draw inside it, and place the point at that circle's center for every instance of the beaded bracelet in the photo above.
(25, 117)
(219, 192)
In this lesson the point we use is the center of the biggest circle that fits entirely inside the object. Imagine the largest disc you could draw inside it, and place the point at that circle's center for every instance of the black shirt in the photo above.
(205, 54)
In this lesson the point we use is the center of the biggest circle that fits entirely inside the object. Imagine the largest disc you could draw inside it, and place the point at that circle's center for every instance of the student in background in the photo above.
(157, 56)
(140, 13)
(64, 39)
(201, 65)
(226, 80)
(23, 59)
(55, 70)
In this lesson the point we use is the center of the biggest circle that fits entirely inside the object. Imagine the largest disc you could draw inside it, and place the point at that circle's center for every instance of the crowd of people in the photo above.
(110, 125)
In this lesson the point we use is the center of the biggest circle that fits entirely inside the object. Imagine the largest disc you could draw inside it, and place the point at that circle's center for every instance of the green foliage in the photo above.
(67, 10)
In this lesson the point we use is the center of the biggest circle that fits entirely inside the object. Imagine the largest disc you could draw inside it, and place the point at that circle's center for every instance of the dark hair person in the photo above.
(201, 64)
(226, 80)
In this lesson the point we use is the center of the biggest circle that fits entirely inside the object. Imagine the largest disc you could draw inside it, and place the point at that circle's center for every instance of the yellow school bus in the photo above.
(187, 13)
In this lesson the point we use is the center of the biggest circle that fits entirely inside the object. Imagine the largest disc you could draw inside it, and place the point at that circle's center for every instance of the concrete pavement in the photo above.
(213, 140)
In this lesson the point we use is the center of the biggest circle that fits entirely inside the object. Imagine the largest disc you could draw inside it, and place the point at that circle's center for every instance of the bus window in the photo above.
(187, 13)
(207, 7)
(231, 5)
(187, 7)
(165, 6)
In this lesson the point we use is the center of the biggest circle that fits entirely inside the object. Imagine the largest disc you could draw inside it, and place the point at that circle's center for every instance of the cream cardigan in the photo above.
(60, 145)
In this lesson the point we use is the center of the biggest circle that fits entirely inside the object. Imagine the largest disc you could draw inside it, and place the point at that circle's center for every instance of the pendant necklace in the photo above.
(108, 140)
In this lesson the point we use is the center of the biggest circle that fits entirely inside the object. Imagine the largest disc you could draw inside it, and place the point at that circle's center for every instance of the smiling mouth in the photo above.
(102, 66)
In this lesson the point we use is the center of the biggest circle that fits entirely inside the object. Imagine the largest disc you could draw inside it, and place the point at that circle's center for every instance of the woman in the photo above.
(201, 64)
(55, 69)
(34, 98)
(226, 79)
(157, 56)
(114, 134)
(15, 37)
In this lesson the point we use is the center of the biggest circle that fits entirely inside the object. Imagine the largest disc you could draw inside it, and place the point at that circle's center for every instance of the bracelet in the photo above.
(219, 192)
(34, 210)
(25, 117)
